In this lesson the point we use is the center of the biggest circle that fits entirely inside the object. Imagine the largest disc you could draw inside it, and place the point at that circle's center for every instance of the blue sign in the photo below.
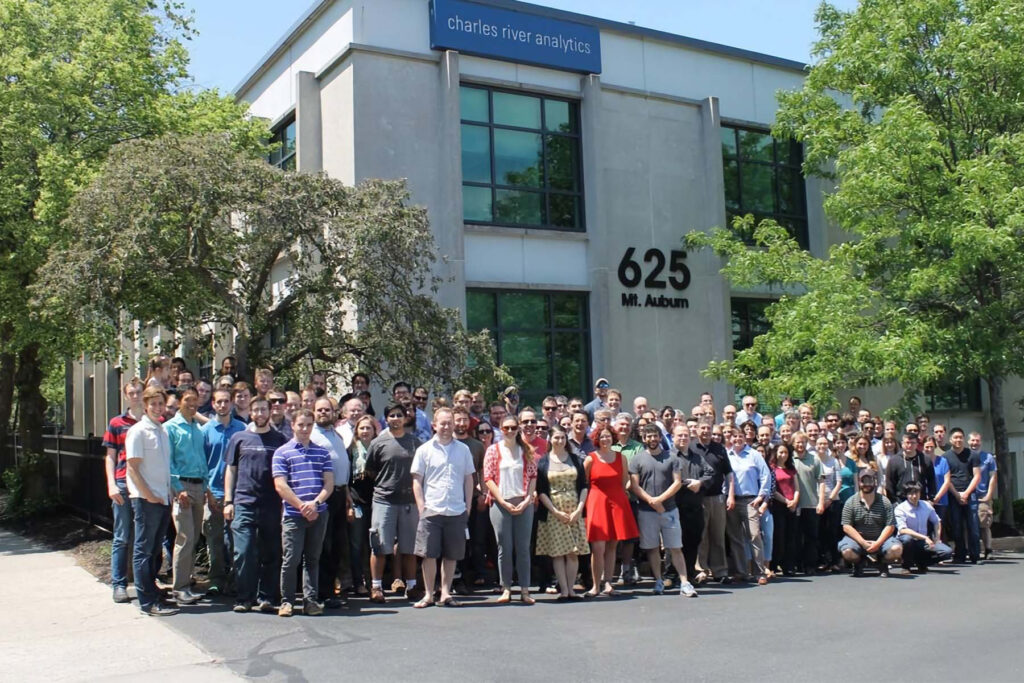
(514, 36)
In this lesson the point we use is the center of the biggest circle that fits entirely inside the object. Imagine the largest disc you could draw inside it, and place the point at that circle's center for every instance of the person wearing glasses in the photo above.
(510, 474)
(279, 421)
(549, 409)
(749, 412)
(528, 424)
(600, 398)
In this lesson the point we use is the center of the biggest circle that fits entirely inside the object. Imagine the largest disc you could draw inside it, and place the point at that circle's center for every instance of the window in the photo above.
(954, 395)
(543, 338)
(283, 136)
(520, 160)
(748, 321)
(763, 178)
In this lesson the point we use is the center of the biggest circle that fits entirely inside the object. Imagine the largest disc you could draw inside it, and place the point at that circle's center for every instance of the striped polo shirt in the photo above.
(114, 438)
(303, 468)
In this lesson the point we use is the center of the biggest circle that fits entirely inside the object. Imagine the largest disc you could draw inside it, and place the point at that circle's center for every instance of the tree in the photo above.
(78, 77)
(915, 108)
(187, 231)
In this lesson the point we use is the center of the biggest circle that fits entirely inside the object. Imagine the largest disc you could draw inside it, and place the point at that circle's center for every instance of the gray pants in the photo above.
(513, 534)
(711, 554)
(743, 531)
(301, 539)
(213, 529)
(189, 524)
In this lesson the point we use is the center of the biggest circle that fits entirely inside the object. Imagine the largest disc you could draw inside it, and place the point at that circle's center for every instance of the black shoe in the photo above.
(159, 611)
(336, 603)
(121, 595)
(922, 569)
(988, 554)
(858, 569)
(883, 572)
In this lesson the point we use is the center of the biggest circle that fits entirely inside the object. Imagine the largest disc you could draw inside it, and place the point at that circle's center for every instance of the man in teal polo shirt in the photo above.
(217, 433)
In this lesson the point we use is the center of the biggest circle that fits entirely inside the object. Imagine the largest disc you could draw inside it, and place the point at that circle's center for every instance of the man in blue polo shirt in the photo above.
(986, 491)
(218, 433)
(304, 479)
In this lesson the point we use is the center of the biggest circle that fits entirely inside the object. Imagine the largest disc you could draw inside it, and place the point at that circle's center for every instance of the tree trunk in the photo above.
(242, 357)
(31, 405)
(1001, 442)
(7, 366)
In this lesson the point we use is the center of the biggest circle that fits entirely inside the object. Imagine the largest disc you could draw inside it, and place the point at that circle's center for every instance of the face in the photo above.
(717, 434)
(785, 433)
(909, 445)
(729, 413)
(840, 445)
(681, 437)
(565, 422)
(222, 403)
(464, 401)
(639, 405)
(974, 442)
(460, 423)
(443, 424)
(319, 383)
(869, 429)
(485, 433)
(359, 384)
(559, 440)
(292, 403)
(957, 439)
(890, 430)
(805, 414)
(227, 367)
(863, 415)
(400, 393)
(478, 402)
(203, 389)
(542, 428)
(812, 430)
(913, 497)
(615, 402)
(603, 419)
(821, 445)
(188, 405)
(528, 421)
(396, 420)
(509, 429)
(929, 448)
(605, 439)
(832, 421)
(264, 383)
(781, 455)
(419, 397)
(308, 399)
(550, 409)
(323, 411)
(601, 390)
(579, 423)
(133, 394)
(737, 441)
(155, 408)
(793, 421)
(800, 444)
(622, 426)
(750, 404)
(704, 432)
(185, 377)
(940, 433)
(707, 400)
(302, 426)
(260, 413)
(171, 407)
(868, 484)
(575, 405)
(242, 399)
(764, 436)
(863, 445)
(497, 414)
(651, 440)
(353, 410)
(364, 431)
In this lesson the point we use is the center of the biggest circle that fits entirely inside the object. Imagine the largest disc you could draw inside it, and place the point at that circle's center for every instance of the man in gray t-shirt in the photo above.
(656, 476)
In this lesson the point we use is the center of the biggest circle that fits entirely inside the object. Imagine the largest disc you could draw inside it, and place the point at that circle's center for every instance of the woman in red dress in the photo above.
(609, 517)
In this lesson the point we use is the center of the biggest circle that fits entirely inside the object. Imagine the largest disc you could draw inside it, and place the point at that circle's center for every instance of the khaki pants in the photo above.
(985, 522)
(188, 521)
(711, 554)
(213, 529)
(743, 526)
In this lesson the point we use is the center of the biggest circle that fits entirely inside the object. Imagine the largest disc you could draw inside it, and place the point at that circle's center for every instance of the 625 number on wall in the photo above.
(630, 272)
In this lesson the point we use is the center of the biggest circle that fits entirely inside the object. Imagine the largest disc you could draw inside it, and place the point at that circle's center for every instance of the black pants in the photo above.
(691, 520)
(786, 539)
(830, 528)
(807, 523)
(334, 558)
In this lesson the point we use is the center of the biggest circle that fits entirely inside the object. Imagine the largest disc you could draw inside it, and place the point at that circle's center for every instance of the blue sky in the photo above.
(235, 34)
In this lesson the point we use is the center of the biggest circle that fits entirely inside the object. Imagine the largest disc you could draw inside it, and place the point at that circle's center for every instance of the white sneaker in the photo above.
(687, 590)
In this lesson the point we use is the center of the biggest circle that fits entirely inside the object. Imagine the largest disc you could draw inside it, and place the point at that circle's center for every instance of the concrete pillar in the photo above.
(309, 155)
(598, 254)
(446, 218)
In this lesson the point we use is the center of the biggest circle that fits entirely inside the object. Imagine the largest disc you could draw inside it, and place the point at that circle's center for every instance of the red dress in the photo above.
(609, 517)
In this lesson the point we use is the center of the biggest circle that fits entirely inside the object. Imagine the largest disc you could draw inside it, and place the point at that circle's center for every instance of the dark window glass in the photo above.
(543, 338)
(520, 160)
(955, 395)
(283, 139)
(763, 177)
(748, 321)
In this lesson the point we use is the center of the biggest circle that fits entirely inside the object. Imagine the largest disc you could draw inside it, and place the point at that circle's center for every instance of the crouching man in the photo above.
(913, 519)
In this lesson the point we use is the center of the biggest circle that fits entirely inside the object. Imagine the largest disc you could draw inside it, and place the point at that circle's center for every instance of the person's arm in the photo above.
(820, 509)
(640, 493)
(230, 476)
(417, 492)
(110, 465)
(177, 488)
(901, 525)
(991, 488)
(730, 498)
(469, 485)
(965, 497)
(947, 483)
(133, 447)
(891, 477)
(288, 495)
(795, 503)
(677, 483)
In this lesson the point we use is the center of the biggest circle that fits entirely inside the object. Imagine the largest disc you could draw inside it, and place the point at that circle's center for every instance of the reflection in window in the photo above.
(283, 138)
(520, 159)
(542, 337)
(763, 177)
(748, 321)
(954, 395)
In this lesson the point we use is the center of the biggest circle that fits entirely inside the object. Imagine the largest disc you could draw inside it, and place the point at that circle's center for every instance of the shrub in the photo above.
(29, 487)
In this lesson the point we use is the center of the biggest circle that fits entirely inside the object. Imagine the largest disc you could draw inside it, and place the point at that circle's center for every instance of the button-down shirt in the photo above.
(147, 441)
(751, 472)
(216, 436)
(347, 431)
(327, 438)
(717, 460)
(915, 517)
(188, 451)
(743, 416)
(443, 470)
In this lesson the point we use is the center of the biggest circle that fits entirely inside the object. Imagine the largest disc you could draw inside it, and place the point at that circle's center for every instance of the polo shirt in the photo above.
(751, 473)
(188, 451)
(303, 468)
(332, 442)
(252, 454)
(915, 517)
(217, 436)
(988, 466)
(147, 441)
(114, 438)
(808, 476)
(868, 521)
(443, 468)
(656, 473)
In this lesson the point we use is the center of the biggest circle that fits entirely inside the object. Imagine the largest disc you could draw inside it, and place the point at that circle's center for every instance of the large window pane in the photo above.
(288, 140)
(557, 116)
(756, 146)
(731, 174)
(522, 111)
(517, 158)
(567, 309)
(570, 363)
(728, 142)
(562, 164)
(757, 188)
(564, 210)
(518, 207)
(473, 104)
(523, 311)
(481, 312)
(476, 153)
(476, 203)
(791, 192)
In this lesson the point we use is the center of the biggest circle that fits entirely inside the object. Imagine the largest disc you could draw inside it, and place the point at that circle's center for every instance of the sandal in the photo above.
(424, 603)
(527, 600)
(504, 598)
(377, 595)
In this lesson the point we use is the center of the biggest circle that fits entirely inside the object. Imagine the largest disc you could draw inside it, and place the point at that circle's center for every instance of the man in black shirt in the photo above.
(909, 466)
(690, 498)
(964, 475)
(718, 497)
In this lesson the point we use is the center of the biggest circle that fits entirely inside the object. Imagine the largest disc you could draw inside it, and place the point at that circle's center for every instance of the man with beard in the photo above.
(253, 508)
(334, 561)
(869, 525)
(719, 496)
(217, 434)
(479, 523)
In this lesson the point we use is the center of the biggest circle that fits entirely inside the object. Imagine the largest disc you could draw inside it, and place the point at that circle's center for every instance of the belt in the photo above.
(192, 480)
(339, 488)
(750, 496)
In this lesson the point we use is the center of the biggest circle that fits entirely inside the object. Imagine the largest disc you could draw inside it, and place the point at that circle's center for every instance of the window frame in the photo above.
(746, 302)
(545, 189)
(287, 162)
(969, 398)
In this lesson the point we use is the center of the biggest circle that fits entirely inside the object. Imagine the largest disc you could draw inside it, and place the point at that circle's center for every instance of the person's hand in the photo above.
(351, 514)
(155, 500)
(183, 500)
(763, 507)
(563, 517)
(574, 516)
(114, 494)
(307, 507)
(229, 512)
(791, 504)
(730, 503)
(874, 547)
(929, 542)
(527, 502)
(657, 506)
(820, 509)
(313, 515)
(694, 485)
(215, 505)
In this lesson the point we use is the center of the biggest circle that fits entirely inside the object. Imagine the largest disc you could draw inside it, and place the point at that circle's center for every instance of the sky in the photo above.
(235, 34)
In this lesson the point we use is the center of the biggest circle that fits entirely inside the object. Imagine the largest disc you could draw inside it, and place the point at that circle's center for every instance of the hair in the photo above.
(925, 440)
(616, 392)
(651, 429)
(459, 410)
(302, 412)
(749, 424)
(475, 429)
(398, 385)
(525, 448)
(603, 412)
(706, 420)
(444, 409)
(231, 395)
(496, 404)
(370, 419)
(463, 393)
(239, 387)
(185, 391)
(911, 487)
(133, 382)
(595, 434)
(869, 456)
(363, 376)
(832, 413)
(259, 399)
(153, 392)
(955, 430)
(773, 457)
(156, 363)
(557, 429)
(392, 407)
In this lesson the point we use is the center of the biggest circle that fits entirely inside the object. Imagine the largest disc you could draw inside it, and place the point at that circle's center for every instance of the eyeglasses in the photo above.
(277, 401)
(510, 428)
(529, 422)
(484, 431)
(547, 408)
(749, 405)
(542, 428)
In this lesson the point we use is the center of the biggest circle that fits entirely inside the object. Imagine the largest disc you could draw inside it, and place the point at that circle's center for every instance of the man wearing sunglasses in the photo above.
(600, 397)
(279, 421)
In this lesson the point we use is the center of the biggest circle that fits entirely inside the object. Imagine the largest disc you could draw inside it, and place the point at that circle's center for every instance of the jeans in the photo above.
(120, 552)
(768, 534)
(218, 544)
(965, 532)
(302, 542)
(151, 520)
(358, 533)
(916, 552)
(513, 533)
(257, 534)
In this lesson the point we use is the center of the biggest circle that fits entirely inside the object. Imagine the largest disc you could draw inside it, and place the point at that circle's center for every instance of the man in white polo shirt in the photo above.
(442, 482)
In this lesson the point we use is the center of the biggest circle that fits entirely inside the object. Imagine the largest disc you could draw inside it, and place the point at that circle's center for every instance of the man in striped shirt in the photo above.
(117, 487)
(304, 479)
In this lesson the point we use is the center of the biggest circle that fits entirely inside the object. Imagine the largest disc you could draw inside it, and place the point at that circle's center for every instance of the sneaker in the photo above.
(213, 590)
(242, 607)
(159, 611)
(121, 595)
(185, 597)
(397, 586)
(285, 610)
(265, 606)
(858, 569)
(659, 587)
(687, 590)
(883, 572)
(415, 594)
(987, 554)
(336, 603)
(312, 609)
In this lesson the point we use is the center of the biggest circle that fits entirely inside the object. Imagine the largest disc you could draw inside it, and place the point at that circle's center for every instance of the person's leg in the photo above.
(985, 524)
(479, 530)
(293, 540)
(149, 529)
(736, 537)
(957, 532)
(358, 528)
(702, 550)
(610, 549)
(120, 550)
(892, 551)
(809, 522)
(447, 575)
(778, 534)
(213, 530)
(429, 572)
(755, 543)
(332, 550)
(523, 529)
(183, 556)
(792, 554)
(597, 550)
(768, 538)
(716, 538)
(408, 522)
(973, 530)
(915, 551)
(572, 566)
(940, 553)
(246, 560)
(679, 562)
(558, 566)
(501, 520)
(268, 545)
(312, 551)
(691, 520)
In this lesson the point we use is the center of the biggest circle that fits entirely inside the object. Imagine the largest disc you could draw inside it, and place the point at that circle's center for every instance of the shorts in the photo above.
(985, 515)
(393, 523)
(849, 544)
(659, 528)
(442, 536)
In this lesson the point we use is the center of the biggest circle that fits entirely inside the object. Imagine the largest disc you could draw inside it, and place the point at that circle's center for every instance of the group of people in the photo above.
(283, 483)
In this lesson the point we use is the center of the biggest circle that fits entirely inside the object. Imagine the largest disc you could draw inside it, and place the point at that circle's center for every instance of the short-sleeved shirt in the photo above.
(390, 461)
(253, 455)
(217, 438)
(656, 473)
(147, 441)
(188, 450)
(988, 466)
(443, 469)
(915, 517)
(717, 459)
(941, 468)
(808, 476)
(868, 521)
(332, 441)
(961, 467)
(303, 468)
(114, 437)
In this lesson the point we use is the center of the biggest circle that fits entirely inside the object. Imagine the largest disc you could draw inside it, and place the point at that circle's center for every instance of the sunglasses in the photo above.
(510, 428)
(529, 422)
(484, 431)
(550, 408)
(277, 401)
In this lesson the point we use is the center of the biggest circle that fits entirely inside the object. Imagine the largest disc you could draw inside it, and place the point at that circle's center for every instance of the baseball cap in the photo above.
(867, 474)
(602, 383)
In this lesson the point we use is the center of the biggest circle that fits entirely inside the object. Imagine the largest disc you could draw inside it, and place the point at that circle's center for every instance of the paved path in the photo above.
(58, 623)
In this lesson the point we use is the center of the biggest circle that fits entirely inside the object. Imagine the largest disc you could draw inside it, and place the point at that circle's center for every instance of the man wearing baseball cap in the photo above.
(869, 525)
(600, 398)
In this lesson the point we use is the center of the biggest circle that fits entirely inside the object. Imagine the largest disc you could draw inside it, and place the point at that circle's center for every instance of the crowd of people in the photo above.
(283, 485)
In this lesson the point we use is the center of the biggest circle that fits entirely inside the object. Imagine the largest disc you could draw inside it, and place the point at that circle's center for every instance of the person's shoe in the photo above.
(858, 569)
(242, 607)
(377, 595)
(987, 554)
(397, 586)
(185, 597)
(335, 603)
(312, 609)
(121, 595)
(285, 610)
(265, 606)
(213, 590)
(922, 569)
(415, 594)
(883, 572)
(762, 580)
(459, 587)
(726, 580)
(659, 587)
(159, 611)
(632, 577)
(687, 590)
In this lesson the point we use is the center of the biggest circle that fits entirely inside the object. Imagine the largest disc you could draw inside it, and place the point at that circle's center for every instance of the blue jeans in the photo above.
(257, 533)
(151, 520)
(965, 532)
(119, 550)
(768, 534)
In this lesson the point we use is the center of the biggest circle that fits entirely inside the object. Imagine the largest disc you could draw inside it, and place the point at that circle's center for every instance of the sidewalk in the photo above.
(59, 624)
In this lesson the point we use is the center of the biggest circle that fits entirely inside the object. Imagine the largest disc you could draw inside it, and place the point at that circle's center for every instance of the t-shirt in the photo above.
(871, 520)
(961, 467)
(988, 466)
(147, 440)
(785, 482)
(941, 468)
(443, 469)
(253, 455)
(808, 476)
(303, 468)
(390, 461)
(656, 473)
(540, 447)
(114, 439)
